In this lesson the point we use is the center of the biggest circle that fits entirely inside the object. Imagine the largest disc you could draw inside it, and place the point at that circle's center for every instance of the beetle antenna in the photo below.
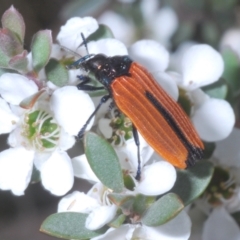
(84, 43)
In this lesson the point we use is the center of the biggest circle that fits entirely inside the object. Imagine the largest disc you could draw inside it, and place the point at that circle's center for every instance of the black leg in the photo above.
(103, 100)
(136, 139)
(83, 86)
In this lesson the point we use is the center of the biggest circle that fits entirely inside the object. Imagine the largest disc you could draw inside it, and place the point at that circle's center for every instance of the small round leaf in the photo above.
(56, 73)
(13, 20)
(41, 49)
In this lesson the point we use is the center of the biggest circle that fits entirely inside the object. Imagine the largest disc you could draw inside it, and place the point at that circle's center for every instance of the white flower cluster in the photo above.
(69, 109)
(213, 118)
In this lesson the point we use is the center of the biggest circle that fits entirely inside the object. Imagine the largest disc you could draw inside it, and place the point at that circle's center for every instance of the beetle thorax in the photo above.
(106, 69)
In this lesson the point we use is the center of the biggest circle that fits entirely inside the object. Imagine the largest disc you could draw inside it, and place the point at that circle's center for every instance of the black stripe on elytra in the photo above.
(194, 153)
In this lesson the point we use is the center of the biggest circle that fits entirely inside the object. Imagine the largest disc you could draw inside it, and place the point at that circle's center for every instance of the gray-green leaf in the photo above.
(13, 21)
(69, 225)
(41, 49)
(103, 161)
(191, 183)
(163, 210)
(56, 73)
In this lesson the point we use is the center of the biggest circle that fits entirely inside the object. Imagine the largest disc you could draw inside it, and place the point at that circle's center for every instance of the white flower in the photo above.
(72, 108)
(15, 169)
(95, 202)
(212, 213)
(70, 34)
(59, 181)
(213, 118)
(222, 225)
(231, 39)
(15, 87)
(177, 228)
(201, 65)
(165, 21)
(82, 169)
(165, 25)
(110, 47)
(117, 23)
(227, 151)
(161, 172)
(36, 130)
(151, 54)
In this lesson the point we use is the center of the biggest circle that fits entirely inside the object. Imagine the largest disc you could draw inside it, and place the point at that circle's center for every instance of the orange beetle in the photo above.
(159, 119)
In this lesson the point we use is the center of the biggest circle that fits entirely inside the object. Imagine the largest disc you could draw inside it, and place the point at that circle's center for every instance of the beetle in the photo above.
(159, 119)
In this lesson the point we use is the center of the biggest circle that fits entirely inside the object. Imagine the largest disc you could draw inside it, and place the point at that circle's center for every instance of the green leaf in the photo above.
(163, 210)
(184, 101)
(121, 199)
(4, 59)
(13, 20)
(118, 221)
(41, 49)
(102, 32)
(9, 43)
(128, 182)
(5, 70)
(142, 203)
(218, 89)
(209, 148)
(231, 69)
(56, 73)
(69, 225)
(191, 183)
(19, 62)
(103, 161)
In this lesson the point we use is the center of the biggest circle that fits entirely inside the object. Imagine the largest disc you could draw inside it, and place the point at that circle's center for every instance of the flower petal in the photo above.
(109, 46)
(77, 202)
(105, 128)
(82, 169)
(100, 216)
(179, 228)
(57, 173)
(165, 24)
(231, 39)
(123, 232)
(197, 58)
(122, 28)
(162, 173)
(227, 151)
(15, 87)
(72, 108)
(66, 141)
(8, 120)
(70, 34)
(127, 154)
(15, 169)
(214, 119)
(198, 218)
(220, 225)
(149, 53)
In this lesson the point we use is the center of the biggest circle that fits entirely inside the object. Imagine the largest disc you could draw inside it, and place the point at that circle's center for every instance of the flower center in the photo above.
(221, 187)
(122, 130)
(41, 130)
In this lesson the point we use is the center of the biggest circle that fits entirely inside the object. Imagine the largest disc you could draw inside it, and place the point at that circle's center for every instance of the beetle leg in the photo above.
(85, 87)
(136, 139)
(103, 100)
